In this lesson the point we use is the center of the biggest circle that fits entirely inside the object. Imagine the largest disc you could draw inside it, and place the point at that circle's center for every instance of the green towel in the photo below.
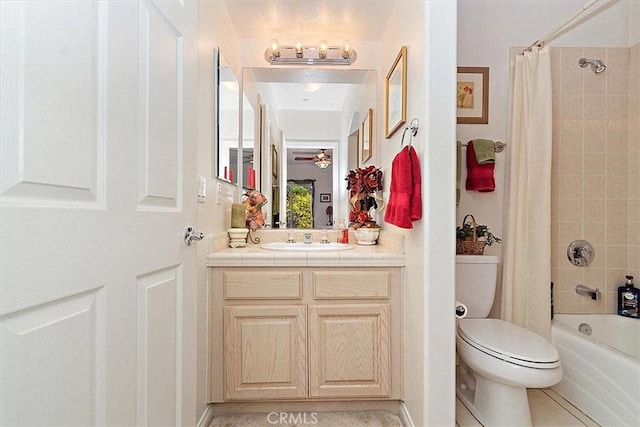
(458, 170)
(485, 151)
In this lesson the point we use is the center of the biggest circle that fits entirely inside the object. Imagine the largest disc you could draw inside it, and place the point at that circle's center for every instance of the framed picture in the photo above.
(366, 137)
(395, 111)
(325, 197)
(274, 161)
(472, 97)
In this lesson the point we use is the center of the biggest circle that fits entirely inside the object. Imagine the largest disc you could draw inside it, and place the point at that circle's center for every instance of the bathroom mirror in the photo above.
(303, 115)
(228, 119)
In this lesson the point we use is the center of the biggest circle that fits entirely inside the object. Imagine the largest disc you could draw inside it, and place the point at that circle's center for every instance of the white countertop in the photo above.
(255, 256)
(387, 253)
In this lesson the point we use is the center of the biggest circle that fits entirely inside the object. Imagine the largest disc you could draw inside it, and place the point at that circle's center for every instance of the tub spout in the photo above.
(584, 290)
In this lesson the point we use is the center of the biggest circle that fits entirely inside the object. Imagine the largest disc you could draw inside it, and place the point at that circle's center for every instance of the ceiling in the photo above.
(310, 20)
(310, 88)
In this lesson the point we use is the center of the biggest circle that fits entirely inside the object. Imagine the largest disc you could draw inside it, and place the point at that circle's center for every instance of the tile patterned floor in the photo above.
(548, 409)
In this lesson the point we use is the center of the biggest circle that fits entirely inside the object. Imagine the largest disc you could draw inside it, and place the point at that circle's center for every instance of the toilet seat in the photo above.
(509, 342)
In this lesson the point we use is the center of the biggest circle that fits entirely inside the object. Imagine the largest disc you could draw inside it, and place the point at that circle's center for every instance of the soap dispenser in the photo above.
(628, 299)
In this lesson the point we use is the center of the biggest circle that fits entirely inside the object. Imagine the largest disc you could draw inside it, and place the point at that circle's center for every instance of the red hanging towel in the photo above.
(479, 176)
(405, 201)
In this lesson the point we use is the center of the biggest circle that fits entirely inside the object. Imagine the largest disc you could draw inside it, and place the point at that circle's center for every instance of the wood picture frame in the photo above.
(472, 95)
(395, 109)
(366, 137)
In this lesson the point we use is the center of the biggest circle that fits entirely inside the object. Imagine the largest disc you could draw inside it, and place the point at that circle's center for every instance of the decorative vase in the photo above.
(238, 237)
(367, 236)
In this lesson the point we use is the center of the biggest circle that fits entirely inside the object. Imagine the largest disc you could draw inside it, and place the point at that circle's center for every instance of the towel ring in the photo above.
(414, 125)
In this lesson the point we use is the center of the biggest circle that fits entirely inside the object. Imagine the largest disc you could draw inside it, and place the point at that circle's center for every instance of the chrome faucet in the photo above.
(593, 293)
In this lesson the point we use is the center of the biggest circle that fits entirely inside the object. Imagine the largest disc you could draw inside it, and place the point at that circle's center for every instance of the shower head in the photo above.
(596, 65)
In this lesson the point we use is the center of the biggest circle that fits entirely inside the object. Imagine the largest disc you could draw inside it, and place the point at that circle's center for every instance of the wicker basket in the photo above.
(473, 246)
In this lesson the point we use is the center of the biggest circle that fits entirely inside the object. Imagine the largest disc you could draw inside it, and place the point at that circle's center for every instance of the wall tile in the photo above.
(595, 106)
(595, 164)
(571, 106)
(617, 164)
(617, 233)
(617, 107)
(617, 187)
(595, 140)
(617, 210)
(617, 82)
(594, 185)
(595, 83)
(595, 210)
(596, 172)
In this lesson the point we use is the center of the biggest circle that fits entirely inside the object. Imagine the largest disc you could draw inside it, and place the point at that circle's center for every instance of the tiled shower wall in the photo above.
(595, 178)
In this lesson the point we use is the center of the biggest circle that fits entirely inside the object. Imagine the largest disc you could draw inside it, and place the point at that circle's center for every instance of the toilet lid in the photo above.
(509, 342)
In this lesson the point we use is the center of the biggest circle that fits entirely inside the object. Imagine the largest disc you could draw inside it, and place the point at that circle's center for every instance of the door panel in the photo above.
(265, 349)
(349, 350)
(98, 162)
(161, 106)
(55, 95)
(159, 346)
(31, 341)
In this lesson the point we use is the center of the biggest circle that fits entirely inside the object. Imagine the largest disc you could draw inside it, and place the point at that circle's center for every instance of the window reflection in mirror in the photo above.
(307, 110)
(228, 121)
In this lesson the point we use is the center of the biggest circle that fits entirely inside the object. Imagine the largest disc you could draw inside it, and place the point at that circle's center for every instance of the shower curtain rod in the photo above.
(553, 34)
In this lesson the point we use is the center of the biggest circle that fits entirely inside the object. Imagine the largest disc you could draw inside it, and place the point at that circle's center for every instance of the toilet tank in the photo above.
(476, 283)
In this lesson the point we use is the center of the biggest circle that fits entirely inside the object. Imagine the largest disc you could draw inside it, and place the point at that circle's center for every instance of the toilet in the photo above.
(499, 360)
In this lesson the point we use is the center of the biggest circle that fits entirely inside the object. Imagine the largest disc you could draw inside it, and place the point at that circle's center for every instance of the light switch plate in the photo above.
(202, 189)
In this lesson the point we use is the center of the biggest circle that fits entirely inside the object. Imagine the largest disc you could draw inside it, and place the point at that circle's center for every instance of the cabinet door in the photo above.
(265, 352)
(349, 350)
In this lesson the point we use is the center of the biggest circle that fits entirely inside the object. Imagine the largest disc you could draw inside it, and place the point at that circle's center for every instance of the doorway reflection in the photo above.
(300, 195)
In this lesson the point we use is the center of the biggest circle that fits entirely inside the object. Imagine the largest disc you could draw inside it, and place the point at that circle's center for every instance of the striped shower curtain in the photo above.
(527, 249)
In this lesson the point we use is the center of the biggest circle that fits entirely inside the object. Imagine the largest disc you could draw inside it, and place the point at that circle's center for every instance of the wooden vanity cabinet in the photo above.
(300, 334)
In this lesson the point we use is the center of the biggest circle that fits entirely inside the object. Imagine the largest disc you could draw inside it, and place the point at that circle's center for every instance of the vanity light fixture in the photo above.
(323, 54)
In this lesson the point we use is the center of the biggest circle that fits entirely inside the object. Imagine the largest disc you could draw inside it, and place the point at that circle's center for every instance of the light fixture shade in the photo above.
(346, 49)
(322, 49)
(274, 48)
(322, 160)
(323, 164)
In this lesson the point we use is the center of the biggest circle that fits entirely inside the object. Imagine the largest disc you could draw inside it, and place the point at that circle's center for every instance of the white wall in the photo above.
(428, 29)
(215, 30)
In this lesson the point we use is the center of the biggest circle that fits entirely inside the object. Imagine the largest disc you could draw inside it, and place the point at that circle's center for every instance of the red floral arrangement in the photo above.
(362, 183)
(254, 202)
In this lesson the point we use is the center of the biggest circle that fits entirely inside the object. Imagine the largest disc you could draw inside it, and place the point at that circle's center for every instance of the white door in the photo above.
(97, 291)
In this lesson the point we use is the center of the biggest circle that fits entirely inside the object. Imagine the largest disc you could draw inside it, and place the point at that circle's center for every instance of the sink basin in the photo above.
(300, 247)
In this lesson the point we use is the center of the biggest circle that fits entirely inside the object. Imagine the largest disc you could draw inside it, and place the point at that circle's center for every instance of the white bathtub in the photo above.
(601, 371)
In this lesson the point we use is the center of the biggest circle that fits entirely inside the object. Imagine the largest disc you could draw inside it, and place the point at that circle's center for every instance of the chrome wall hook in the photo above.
(414, 125)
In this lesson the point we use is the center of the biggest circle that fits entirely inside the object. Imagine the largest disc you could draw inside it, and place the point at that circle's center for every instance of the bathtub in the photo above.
(601, 371)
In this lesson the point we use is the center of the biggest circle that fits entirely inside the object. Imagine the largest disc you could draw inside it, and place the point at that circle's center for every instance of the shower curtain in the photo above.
(527, 250)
